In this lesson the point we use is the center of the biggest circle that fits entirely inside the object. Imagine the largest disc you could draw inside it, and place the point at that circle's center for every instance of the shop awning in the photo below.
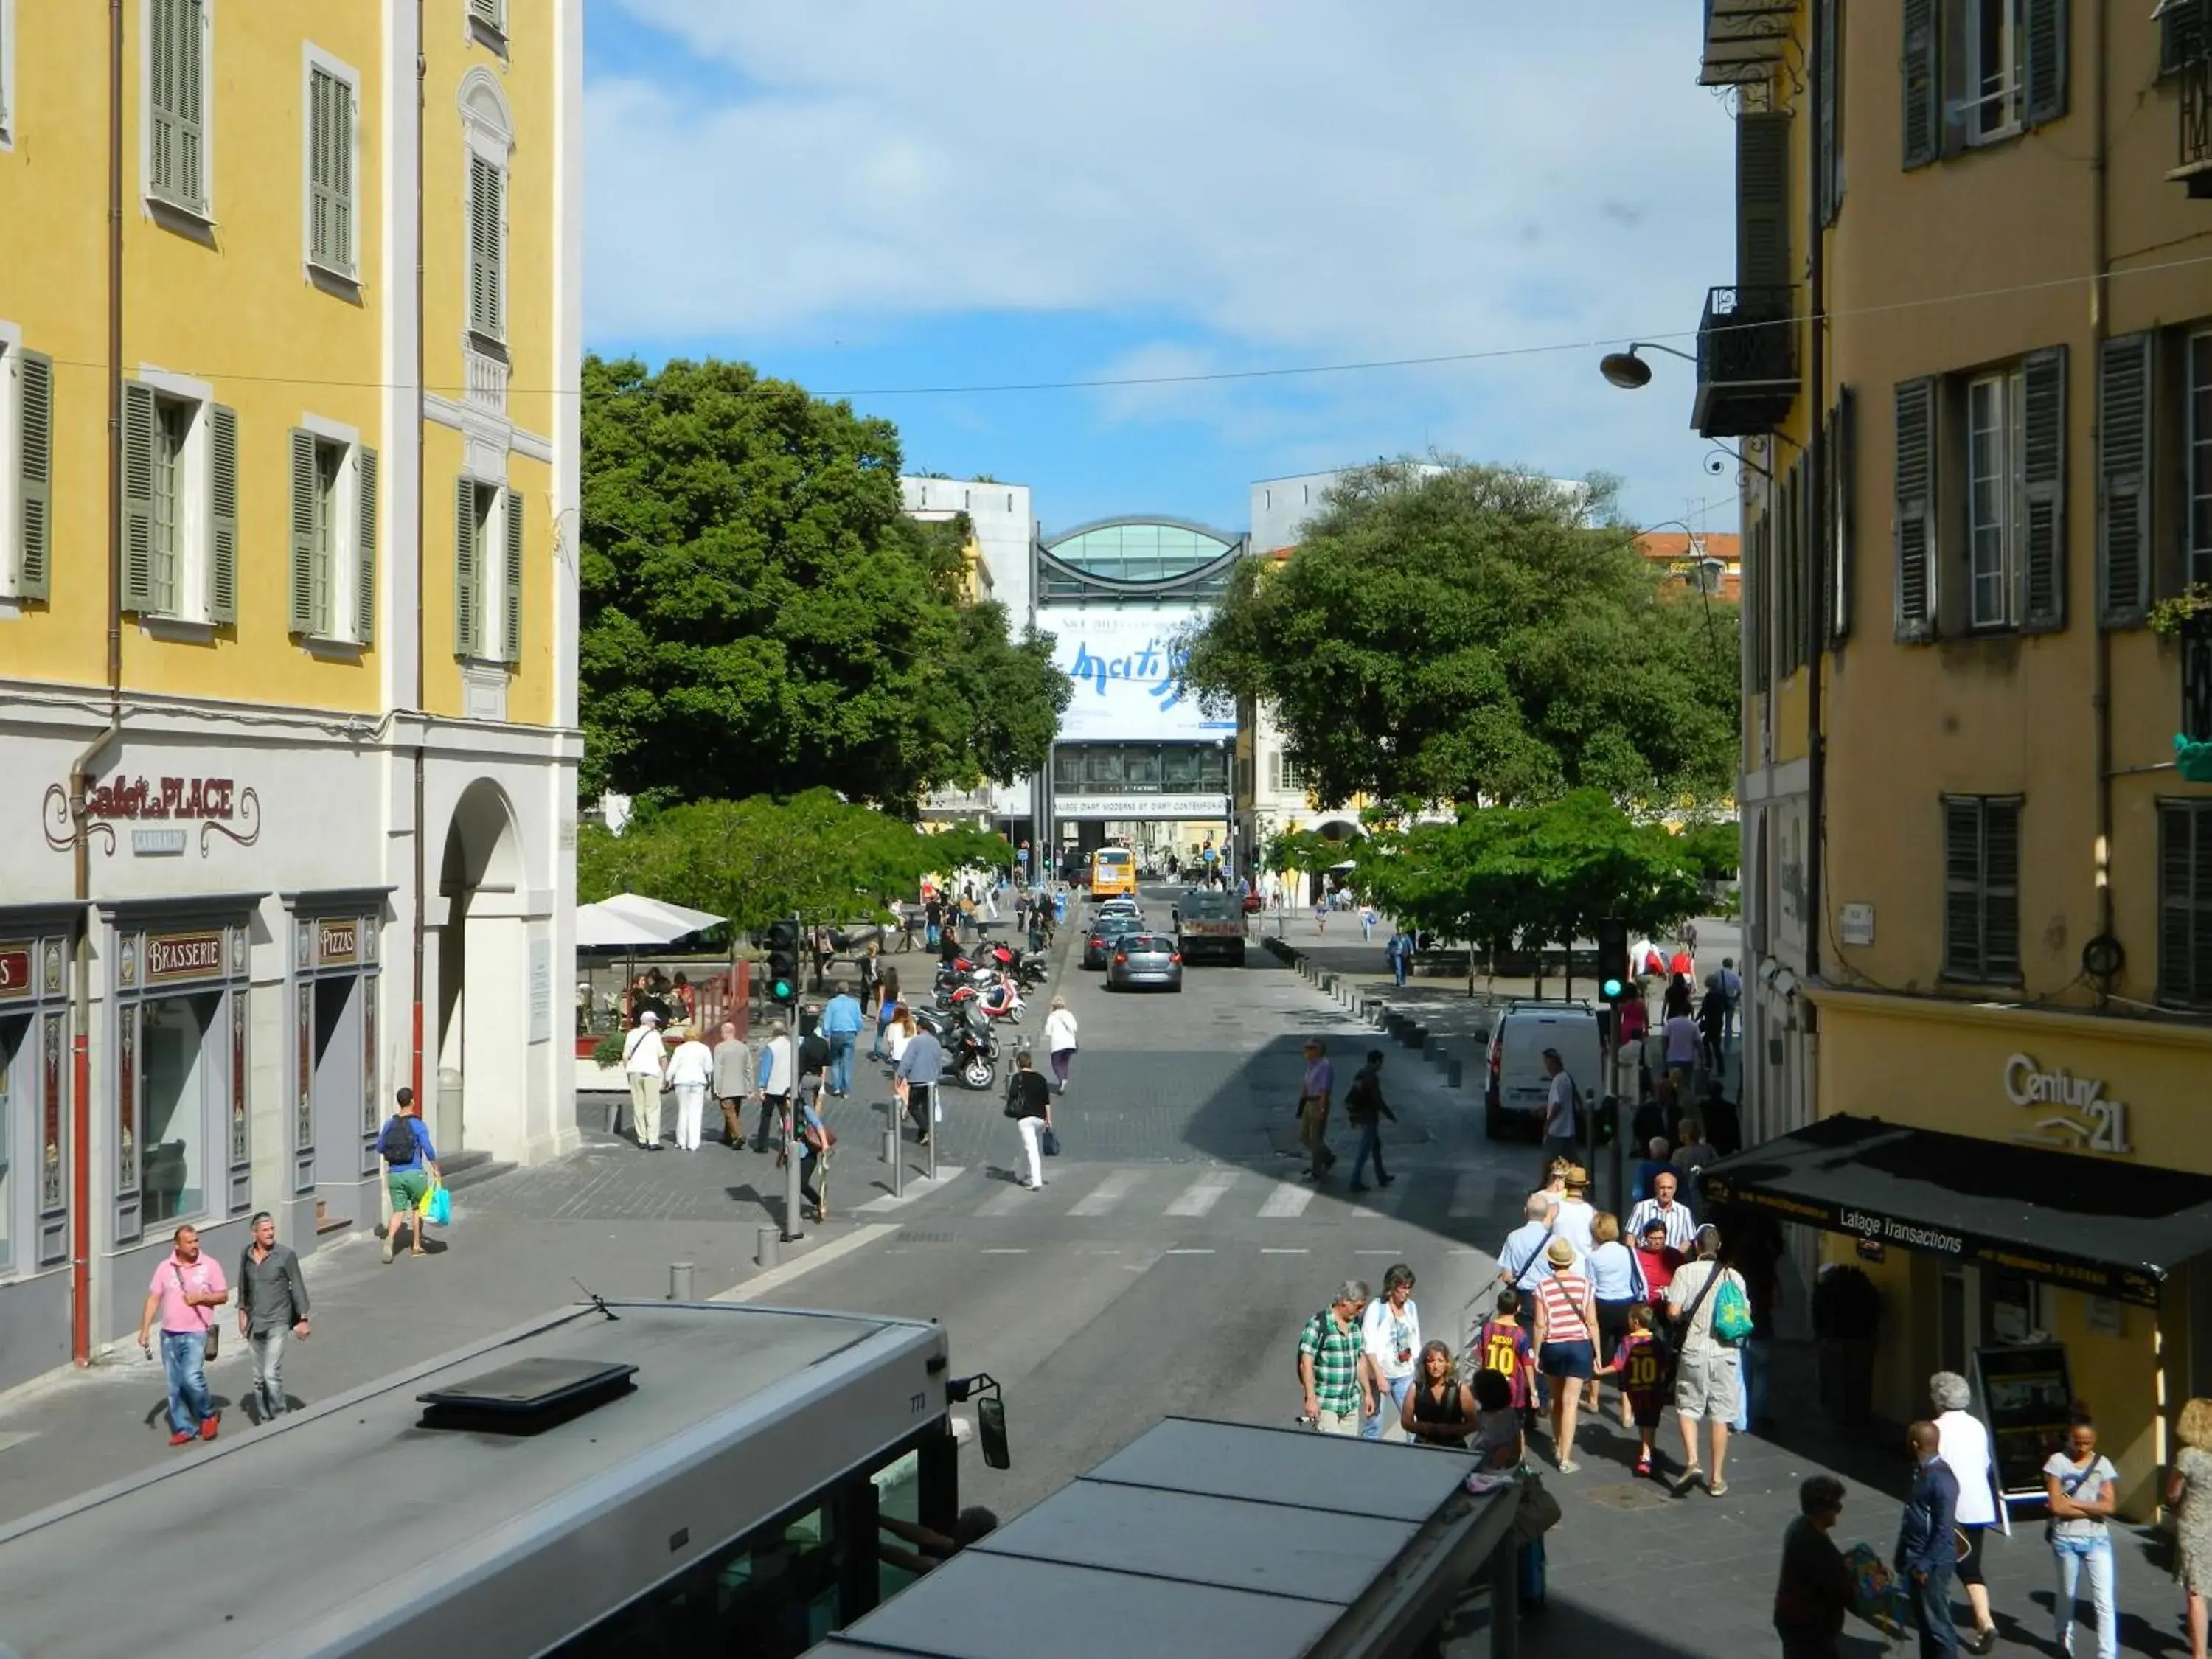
(2101, 1226)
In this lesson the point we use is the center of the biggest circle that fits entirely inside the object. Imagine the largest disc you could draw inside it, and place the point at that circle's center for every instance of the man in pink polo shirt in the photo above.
(186, 1289)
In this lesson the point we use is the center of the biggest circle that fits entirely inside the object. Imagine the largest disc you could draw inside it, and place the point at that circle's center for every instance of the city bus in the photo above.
(1113, 873)
(623, 1479)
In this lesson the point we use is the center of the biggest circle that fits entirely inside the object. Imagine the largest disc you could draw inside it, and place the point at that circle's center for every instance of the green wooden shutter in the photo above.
(222, 496)
(34, 480)
(486, 217)
(2042, 440)
(487, 12)
(511, 583)
(139, 415)
(2044, 48)
(320, 209)
(2124, 479)
(1841, 480)
(466, 605)
(1913, 525)
(1829, 163)
(307, 608)
(2001, 890)
(343, 206)
(2185, 32)
(161, 98)
(364, 548)
(1962, 889)
(1922, 84)
(190, 112)
(1762, 200)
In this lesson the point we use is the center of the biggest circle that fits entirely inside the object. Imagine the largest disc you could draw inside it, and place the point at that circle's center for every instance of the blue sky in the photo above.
(871, 196)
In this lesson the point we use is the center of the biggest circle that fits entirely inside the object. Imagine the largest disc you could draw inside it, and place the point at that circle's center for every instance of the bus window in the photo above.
(898, 1495)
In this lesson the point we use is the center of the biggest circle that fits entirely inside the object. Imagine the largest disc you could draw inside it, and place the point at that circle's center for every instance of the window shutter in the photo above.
(307, 610)
(364, 548)
(1962, 889)
(1914, 521)
(2044, 51)
(191, 61)
(1842, 484)
(2001, 889)
(1923, 83)
(222, 499)
(1762, 200)
(319, 155)
(34, 375)
(2183, 27)
(161, 98)
(139, 413)
(486, 12)
(2043, 469)
(466, 598)
(2185, 902)
(2124, 479)
(342, 203)
(510, 637)
(1829, 165)
(486, 216)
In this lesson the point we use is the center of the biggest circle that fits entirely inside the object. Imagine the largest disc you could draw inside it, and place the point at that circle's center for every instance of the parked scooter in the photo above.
(971, 1046)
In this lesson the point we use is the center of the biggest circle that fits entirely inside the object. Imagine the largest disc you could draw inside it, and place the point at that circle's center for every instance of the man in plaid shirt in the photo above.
(1333, 1367)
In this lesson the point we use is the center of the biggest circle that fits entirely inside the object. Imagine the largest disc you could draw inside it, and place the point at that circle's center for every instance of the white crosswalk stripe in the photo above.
(1109, 1193)
(1286, 1201)
(1012, 1198)
(1203, 1194)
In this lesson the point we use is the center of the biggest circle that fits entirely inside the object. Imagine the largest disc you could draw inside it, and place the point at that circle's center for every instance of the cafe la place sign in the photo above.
(2078, 1117)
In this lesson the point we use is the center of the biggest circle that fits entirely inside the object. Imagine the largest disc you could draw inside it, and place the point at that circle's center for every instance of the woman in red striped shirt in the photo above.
(1566, 1343)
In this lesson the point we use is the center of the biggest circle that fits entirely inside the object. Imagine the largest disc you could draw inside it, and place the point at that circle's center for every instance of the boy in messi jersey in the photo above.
(1501, 1344)
(1640, 1363)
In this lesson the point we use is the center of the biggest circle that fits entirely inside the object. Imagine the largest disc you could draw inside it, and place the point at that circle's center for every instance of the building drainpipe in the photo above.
(81, 769)
(2099, 329)
(1816, 747)
(418, 941)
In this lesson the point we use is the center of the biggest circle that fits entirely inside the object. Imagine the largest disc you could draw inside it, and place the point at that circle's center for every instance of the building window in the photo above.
(1285, 774)
(177, 96)
(180, 1071)
(179, 507)
(7, 73)
(1994, 493)
(2184, 903)
(2199, 551)
(27, 414)
(1981, 889)
(488, 20)
(487, 572)
(332, 119)
(333, 538)
(487, 249)
(1996, 67)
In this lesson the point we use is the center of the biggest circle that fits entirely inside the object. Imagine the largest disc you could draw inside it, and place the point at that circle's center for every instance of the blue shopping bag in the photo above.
(438, 1205)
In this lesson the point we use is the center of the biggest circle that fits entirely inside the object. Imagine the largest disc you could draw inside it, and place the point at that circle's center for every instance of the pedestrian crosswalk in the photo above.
(1473, 1202)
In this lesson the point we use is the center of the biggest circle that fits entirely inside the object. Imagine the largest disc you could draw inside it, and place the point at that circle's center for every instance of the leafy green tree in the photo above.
(761, 615)
(1478, 634)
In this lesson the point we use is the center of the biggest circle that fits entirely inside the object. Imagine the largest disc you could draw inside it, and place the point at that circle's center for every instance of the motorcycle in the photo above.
(971, 1046)
(1001, 999)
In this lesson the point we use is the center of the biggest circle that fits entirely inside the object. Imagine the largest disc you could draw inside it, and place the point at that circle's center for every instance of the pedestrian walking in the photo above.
(1314, 1085)
(902, 1027)
(778, 1079)
(691, 1074)
(1669, 1212)
(1501, 1344)
(2188, 1494)
(1367, 921)
(1500, 1438)
(1560, 1101)
(887, 1005)
(1365, 1109)
(870, 964)
(1439, 1409)
(1332, 1363)
(817, 1144)
(272, 1308)
(410, 1165)
(1566, 1344)
(1635, 1030)
(932, 912)
(841, 1020)
(919, 1069)
(2079, 1484)
(906, 927)
(1399, 953)
(1682, 1040)
(733, 1083)
(1617, 1289)
(1029, 1102)
(1814, 1590)
(1321, 911)
(1963, 1443)
(1640, 1361)
(1576, 1220)
(1732, 989)
(1521, 1262)
(644, 1064)
(1657, 1260)
(1705, 1379)
(187, 1287)
(1060, 1041)
(1696, 1151)
(1925, 1547)
(1391, 1329)
(1712, 1028)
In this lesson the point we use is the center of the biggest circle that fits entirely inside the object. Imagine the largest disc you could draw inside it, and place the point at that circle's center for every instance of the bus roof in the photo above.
(315, 1535)
(1113, 855)
(1210, 1538)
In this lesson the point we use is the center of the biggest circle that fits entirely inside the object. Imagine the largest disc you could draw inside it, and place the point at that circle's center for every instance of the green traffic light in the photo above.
(780, 990)
(1612, 988)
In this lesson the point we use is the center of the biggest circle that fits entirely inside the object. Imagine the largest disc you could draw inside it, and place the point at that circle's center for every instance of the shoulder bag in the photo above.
(1680, 1333)
(214, 1331)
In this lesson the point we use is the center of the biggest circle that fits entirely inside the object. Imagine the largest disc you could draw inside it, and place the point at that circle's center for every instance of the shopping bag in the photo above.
(438, 1205)
(1876, 1596)
(1048, 1143)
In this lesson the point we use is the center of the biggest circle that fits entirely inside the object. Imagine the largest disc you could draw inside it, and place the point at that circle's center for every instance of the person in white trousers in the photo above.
(1029, 1102)
(690, 1074)
(644, 1058)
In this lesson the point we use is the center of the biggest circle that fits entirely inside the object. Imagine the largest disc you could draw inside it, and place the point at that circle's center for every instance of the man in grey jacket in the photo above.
(272, 1304)
(921, 1068)
(734, 1082)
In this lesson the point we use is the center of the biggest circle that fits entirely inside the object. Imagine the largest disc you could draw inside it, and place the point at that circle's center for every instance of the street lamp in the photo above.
(1630, 372)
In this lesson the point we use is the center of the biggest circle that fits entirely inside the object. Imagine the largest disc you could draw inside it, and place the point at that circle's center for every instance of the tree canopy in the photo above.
(760, 615)
(1478, 634)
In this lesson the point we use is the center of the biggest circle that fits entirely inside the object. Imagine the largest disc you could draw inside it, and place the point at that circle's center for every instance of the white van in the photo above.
(1518, 1087)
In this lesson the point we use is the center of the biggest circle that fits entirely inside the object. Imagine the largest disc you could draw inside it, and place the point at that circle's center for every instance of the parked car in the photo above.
(1145, 959)
(1518, 1087)
(1099, 943)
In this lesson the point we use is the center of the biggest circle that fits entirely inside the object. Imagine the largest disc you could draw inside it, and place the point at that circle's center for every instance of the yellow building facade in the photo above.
(287, 616)
(1969, 356)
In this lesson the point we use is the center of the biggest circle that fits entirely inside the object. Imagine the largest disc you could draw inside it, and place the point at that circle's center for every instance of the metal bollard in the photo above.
(791, 1200)
(1451, 1073)
(766, 1250)
(679, 1281)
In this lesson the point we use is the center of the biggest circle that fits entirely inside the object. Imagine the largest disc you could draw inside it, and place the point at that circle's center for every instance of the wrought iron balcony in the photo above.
(2193, 160)
(1747, 361)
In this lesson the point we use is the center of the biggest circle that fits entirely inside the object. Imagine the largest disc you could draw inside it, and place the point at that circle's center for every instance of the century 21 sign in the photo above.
(2079, 1118)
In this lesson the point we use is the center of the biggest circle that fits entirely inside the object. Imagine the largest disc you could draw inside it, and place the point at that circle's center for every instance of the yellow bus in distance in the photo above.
(1112, 872)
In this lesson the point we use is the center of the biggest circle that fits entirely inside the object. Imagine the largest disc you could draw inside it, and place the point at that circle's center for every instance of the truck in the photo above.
(1209, 924)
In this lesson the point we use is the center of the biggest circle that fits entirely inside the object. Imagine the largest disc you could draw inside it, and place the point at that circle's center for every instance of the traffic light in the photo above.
(783, 963)
(1613, 975)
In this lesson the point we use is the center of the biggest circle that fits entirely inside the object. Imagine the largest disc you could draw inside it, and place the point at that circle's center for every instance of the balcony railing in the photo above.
(1747, 361)
(2197, 678)
(2193, 160)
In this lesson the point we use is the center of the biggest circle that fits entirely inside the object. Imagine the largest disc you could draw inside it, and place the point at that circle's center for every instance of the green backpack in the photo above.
(1731, 1311)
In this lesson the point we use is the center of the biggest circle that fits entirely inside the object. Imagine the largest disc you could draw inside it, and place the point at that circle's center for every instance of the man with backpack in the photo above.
(1365, 1105)
(1333, 1371)
(1711, 1312)
(410, 1162)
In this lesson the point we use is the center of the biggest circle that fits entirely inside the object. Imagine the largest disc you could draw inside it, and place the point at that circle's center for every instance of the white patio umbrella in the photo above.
(600, 928)
(673, 922)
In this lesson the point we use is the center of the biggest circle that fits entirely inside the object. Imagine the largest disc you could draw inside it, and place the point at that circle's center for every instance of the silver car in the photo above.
(1145, 959)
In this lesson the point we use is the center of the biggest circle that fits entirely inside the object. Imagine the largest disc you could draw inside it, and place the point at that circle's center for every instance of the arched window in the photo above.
(490, 134)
